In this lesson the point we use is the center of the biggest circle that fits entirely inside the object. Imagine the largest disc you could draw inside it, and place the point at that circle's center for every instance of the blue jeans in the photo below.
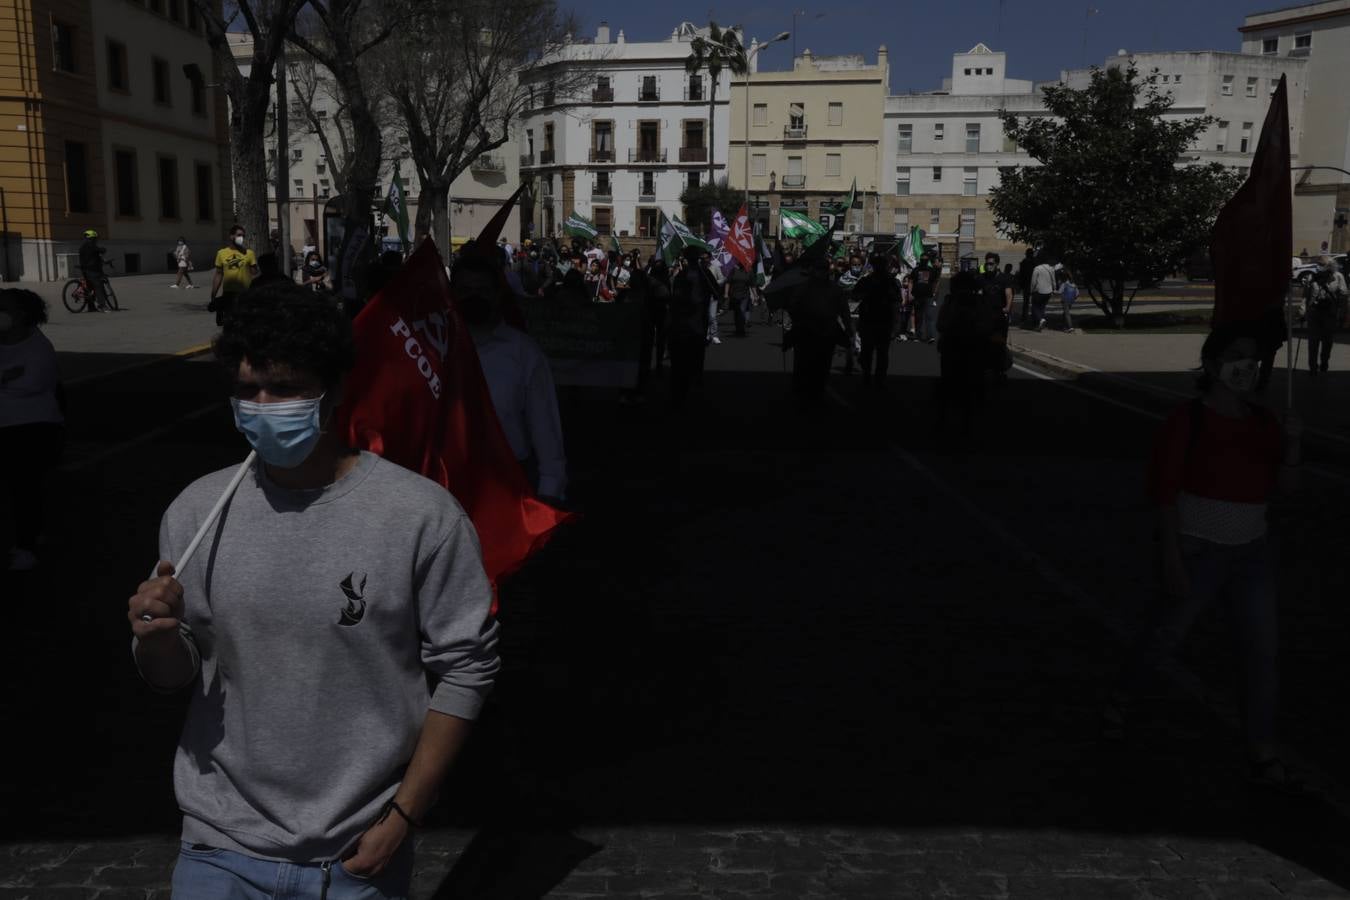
(1242, 578)
(214, 874)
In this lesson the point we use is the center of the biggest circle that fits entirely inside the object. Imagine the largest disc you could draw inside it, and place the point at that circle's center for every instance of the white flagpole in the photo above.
(210, 520)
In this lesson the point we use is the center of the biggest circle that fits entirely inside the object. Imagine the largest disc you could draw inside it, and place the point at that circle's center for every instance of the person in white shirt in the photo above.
(1042, 286)
(182, 253)
(518, 378)
(32, 429)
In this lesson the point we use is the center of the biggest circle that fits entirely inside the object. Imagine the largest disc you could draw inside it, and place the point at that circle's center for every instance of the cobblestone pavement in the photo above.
(785, 654)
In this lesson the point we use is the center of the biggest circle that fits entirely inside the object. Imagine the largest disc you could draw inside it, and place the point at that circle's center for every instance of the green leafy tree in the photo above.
(719, 50)
(699, 203)
(1118, 198)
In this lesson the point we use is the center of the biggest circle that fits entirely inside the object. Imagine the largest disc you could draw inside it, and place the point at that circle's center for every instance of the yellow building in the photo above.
(812, 131)
(100, 127)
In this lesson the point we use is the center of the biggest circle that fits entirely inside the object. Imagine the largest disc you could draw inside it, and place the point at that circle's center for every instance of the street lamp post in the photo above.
(782, 36)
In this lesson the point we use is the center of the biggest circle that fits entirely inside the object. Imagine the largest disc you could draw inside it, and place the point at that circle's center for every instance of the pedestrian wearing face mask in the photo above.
(314, 274)
(333, 634)
(236, 267)
(182, 254)
(31, 421)
(1218, 462)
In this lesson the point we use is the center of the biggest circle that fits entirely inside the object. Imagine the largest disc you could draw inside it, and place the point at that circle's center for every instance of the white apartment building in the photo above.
(622, 148)
(475, 195)
(946, 149)
(1318, 35)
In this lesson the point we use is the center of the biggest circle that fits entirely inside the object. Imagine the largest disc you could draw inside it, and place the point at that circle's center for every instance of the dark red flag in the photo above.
(740, 243)
(1253, 239)
(418, 398)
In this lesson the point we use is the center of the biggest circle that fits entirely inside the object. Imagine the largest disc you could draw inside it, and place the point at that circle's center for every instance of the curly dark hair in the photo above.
(285, 324)
(33, 307)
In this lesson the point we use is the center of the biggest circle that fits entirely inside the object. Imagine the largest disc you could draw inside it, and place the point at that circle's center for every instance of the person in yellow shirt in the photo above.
(236, 267)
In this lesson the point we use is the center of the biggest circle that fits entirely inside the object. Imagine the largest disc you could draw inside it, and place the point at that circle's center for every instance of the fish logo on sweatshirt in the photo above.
(352, 613)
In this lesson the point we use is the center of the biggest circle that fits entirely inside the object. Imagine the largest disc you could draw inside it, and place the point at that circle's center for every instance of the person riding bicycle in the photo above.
(91, 267)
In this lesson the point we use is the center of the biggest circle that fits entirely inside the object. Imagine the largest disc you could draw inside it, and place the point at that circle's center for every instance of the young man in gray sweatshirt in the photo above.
(333, 589)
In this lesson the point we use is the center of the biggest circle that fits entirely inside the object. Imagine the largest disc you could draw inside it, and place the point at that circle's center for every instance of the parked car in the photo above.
(1303, 271)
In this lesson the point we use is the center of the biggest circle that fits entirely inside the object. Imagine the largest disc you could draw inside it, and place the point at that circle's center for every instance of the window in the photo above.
(205, 205)
(939, 130)
(966, 244)
(648, 222)
(836, 114)
(1251, 87)
(902, 181)
(602, 219)
(168, 187)
(198, 88)
(297, 154)
(968, 71)
(1177, 79)
(124, 176)
(1246, 137)
(1222, 141)
(1009, 145)
(649, 92)
(1227, 85)
(759, 164)
(693, 134)
(1303, 41)
(602, 142)
(602, 187)
(970, 182)
(795, 176)
(937, 174)
(796, 115)
(934, 219)
(693, 179)
(833, 165)
(972, 138)
(77, 178)
(761, 114)
(1270, 46)
(1166, 78)
(159, 70)
(906, 144)
(117, 67)
(695, 87)
(63, 47)
(648, 186)
(298, 186)
(900, 221)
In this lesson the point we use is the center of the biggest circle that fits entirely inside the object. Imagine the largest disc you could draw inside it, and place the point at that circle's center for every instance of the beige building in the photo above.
(101, 128)
(1317, 34)
(812, 131)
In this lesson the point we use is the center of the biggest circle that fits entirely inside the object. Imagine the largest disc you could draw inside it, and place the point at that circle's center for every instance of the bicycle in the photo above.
(78, 295)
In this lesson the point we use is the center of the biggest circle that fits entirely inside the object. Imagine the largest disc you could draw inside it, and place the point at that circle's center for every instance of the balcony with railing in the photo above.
(693, 154)
(647, 155)
(526, 160)
(602, 156)
(649, 93)
(602, 95)
(794, 182)
(694, 91)
(545, 157)
(602, 191)
(794, 132)
(488, 163)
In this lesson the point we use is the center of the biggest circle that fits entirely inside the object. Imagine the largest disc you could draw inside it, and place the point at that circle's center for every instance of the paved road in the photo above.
(785, 655)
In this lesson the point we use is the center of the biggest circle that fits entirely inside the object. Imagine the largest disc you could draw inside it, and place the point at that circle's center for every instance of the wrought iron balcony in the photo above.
(649, 94)
(545, 157)
(602, 156)
(693, 154)
(646, 155)
(794, 132)
(602, 95)
(526, 160)
(645, 196)
(603, 191)
(794, 181)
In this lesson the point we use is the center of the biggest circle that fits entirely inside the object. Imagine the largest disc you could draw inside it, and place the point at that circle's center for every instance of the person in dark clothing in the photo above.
(655, 299)
(690, 294)
(997, 288)
(820, 322)
(1024, 282)
(967, 326)
(738, 296)
(878, 298)
(925, 277)
(91, 268)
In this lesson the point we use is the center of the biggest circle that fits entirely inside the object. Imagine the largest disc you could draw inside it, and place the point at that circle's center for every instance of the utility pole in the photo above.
(283, 188)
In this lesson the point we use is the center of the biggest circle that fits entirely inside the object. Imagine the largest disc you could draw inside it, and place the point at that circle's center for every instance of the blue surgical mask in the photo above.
(284, 434)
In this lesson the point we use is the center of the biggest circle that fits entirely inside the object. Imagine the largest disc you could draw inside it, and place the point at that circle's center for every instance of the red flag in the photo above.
(740, 243)
(485, 245)
(418, 398)
(1254, 235)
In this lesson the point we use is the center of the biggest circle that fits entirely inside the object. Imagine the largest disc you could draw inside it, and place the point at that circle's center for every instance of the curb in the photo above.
(185, 353)
(1052, 364)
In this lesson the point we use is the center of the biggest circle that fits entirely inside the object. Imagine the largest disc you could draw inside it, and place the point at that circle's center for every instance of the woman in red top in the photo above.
(1217, 462)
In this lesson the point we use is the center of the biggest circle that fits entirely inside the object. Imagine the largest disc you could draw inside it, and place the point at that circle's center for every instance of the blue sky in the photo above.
(1041, 37)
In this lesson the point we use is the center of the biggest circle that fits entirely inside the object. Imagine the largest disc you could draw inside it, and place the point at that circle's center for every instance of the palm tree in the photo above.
(720, 49)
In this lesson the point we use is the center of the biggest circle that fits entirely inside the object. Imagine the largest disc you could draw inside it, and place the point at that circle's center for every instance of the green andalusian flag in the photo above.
(578, 225)
(798, 226)
(396, 208)
(762, 252)
(912, 246)
(673, 236)
(841, 209)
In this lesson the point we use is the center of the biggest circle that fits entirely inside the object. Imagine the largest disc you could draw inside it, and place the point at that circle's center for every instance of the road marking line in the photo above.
(131, 367)
(154, 434)
(1183, 678)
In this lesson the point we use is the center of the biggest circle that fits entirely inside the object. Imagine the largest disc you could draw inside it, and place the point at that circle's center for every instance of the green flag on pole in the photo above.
(673, 236)
(841, 209)
(912, 246)
(578, 225)
(614, 245)
(762, 253)
(798, 226)
(396, 208)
